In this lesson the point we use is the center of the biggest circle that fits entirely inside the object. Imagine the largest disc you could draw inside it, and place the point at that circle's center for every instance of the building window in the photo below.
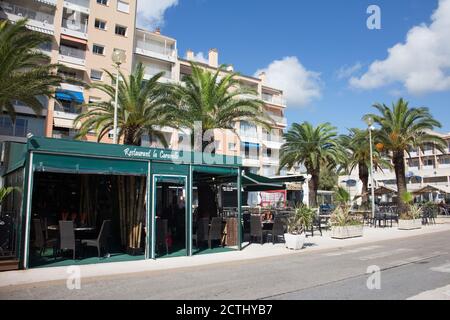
(96, 75)
(123, 6)
(97, 49)
(268, 153)
(232, 146)
(103, 2)
(100, 24)
(444, 160)
(428, 162)
(121, 30)
(17, 129)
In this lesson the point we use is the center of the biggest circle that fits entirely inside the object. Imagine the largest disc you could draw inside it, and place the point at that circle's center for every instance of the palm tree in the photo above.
(216, 100)
(23, 75)
(402, 128)
(357, 149)
(141, 109)
(312, 146)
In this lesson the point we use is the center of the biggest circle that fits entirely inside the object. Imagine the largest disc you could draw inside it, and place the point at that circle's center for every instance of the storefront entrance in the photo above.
(170, 215)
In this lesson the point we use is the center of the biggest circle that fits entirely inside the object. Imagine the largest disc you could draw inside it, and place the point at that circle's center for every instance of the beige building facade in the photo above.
(84, 35)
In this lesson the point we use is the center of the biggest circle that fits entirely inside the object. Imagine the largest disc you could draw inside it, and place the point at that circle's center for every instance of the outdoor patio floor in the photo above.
(47, 259)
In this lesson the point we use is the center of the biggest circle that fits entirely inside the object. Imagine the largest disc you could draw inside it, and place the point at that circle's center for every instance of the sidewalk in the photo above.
(253, 251)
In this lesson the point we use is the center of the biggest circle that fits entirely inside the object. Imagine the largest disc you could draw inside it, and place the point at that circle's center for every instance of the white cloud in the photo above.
(200, 57)
(345, 72)
(421, 64)
(300, 85)
(150, 13)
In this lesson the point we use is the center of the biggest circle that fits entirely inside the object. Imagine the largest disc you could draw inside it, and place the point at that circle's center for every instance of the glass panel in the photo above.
(171, 217)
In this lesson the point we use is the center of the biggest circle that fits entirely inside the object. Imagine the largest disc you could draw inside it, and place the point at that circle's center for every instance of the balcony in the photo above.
(250, 162)
(72, 55)
(279, 120)
(168, 77)
(271, 160)
(40, 21)
(156, 49)
(78, 5)
(75, 28)
(275, 100)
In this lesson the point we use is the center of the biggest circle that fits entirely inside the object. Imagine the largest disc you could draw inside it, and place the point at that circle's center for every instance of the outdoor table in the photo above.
(78, 229)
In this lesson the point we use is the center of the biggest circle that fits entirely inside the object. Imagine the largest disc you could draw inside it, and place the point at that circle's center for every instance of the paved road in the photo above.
(408, 267)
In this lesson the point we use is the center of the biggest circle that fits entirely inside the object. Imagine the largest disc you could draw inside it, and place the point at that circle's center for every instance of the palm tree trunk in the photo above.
(207, 204)
(313, 187)
(399, 167)
(364, 177)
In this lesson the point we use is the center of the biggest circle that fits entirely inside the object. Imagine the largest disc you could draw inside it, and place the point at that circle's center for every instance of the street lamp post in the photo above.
(118, 57)
(369, 122)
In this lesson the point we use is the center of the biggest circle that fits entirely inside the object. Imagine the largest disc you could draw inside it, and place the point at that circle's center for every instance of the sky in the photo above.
(331, 66)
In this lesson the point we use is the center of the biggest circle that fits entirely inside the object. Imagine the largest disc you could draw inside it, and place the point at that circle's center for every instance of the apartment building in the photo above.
(258, 147)
(84, 34)
(425, 166)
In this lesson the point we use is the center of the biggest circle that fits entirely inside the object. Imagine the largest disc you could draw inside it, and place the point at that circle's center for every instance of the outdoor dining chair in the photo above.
(40, 240)
(278, 229)
(67, 239)
(215, 231)
(256, 230)
(102, 240)
(201, 233)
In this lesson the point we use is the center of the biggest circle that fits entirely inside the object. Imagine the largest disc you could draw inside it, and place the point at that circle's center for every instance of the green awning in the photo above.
(253, 182)
(87, 165)
(216, 170)
(15, 155)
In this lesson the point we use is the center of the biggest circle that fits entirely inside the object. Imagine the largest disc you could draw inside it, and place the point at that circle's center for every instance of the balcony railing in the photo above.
(72, 52)
(73, 25)
(273, 138)
(278, 119)
(27, 13)
(155, 46)
(81, 3)
(273, 99)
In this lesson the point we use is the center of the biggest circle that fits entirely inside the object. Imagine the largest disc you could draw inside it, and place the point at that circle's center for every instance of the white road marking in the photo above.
(384, 254)
(350, 251)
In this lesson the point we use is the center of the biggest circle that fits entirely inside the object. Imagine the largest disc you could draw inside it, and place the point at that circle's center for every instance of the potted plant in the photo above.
(410, 217)
(297, 223)
(343, 225)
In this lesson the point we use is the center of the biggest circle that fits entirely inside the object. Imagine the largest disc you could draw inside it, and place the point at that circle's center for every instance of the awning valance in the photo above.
(63, 123)
(215, 170)
(87, 165)
(69, 95)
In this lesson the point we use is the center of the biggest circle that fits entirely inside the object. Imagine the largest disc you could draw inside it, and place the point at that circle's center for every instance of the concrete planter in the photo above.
(346, 232)
(409, 224)
(294, 241)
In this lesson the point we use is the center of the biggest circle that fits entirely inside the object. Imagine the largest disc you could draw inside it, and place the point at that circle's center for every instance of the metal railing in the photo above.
(27, 13)
(72, 52)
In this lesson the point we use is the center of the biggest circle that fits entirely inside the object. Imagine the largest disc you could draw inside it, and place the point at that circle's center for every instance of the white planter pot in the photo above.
(346, 232)
(294, 241)
(409, 224)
